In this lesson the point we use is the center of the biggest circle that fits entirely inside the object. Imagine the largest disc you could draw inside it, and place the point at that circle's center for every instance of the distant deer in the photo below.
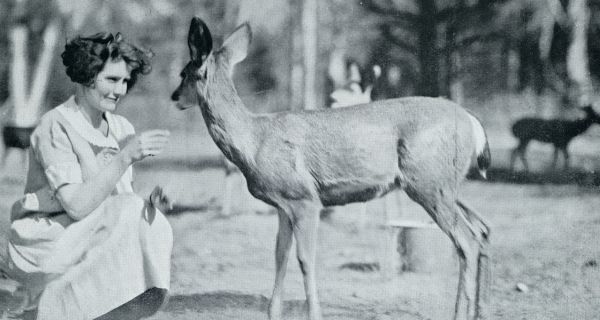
(301, 161)
(558, 132)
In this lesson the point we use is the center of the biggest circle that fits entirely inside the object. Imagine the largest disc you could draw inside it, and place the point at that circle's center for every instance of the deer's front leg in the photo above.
(555, 158)
(282, 252)
(305, 231)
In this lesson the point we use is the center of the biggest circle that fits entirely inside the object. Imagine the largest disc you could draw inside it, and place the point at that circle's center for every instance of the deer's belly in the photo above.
(341, 192)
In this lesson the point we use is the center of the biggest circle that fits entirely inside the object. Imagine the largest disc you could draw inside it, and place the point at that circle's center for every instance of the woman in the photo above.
(82, 243)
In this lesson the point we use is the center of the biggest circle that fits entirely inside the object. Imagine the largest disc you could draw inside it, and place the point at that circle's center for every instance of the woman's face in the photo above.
(109, 86)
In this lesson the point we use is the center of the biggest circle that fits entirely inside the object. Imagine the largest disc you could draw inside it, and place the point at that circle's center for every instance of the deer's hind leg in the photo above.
(469, 236)
(483, 267)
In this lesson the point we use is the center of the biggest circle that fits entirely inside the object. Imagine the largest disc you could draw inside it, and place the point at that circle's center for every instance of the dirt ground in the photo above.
(544, 237)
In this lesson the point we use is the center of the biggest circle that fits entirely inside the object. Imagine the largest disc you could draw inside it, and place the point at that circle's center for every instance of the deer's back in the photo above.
(357, 153)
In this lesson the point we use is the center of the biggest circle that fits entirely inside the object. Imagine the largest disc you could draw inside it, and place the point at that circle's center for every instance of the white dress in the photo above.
(84, 269)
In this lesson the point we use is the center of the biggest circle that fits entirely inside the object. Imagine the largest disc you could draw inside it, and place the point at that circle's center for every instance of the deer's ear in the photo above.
(236, 45)
(199, 40)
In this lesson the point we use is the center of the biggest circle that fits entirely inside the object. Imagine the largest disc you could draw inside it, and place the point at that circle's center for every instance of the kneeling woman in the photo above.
(82, 243)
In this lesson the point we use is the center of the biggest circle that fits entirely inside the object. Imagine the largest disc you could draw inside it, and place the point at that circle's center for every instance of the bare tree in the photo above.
(554, 46)
(577, 58)
(28, 100)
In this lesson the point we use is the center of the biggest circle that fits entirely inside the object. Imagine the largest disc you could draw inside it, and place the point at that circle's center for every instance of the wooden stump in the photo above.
(16, 137)
(419, 247)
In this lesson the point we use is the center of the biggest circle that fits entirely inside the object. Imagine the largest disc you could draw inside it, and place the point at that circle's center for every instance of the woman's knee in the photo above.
(126, 202)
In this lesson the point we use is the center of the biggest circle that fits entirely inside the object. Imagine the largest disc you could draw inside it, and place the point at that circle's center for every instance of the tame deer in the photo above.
(351, 87)
(558, 132)
(301, 161)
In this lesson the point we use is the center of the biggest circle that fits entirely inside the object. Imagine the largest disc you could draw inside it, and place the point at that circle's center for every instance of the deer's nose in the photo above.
(175, 95)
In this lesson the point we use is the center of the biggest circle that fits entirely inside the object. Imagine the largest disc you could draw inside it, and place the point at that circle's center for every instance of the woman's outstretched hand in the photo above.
(145, 144)
(161, 201)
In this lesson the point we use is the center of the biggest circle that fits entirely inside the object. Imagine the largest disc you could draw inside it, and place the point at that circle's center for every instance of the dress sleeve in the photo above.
(54, 151)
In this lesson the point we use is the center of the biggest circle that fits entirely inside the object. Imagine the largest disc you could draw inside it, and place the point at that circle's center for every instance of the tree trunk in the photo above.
(453, 86)
(577, 58)
(18, 36)
(28, 103)
(457, 92)
(428, 57)
(43, 68)
(310, 50)
(290, 26)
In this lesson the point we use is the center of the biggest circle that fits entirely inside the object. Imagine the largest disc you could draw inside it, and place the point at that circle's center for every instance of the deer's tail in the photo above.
(482, 147)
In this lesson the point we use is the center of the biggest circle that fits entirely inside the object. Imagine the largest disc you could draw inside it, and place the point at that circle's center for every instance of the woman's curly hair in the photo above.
(85, 57)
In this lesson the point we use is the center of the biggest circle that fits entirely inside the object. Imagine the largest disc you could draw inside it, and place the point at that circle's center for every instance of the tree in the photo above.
(555, 50)
(434, 33)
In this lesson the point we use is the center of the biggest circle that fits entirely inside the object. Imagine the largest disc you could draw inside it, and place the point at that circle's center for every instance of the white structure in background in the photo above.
(354, 91)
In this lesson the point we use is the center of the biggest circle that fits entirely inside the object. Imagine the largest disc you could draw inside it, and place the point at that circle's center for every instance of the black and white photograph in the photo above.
(300, 159)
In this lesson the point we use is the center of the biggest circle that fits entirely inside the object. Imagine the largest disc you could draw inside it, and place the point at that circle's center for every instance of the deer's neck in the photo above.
(228, 121)
(580, 126)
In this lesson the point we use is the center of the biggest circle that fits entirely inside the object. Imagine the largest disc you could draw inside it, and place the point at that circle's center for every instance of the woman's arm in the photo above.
(42, 200)
(81, 199)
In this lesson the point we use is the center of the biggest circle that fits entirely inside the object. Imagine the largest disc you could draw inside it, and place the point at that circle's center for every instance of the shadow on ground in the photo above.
(232, 305)
(557, 177)
(179, 209)
(227, 300)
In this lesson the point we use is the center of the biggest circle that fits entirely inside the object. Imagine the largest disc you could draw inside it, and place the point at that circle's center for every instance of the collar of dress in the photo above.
(72, 113)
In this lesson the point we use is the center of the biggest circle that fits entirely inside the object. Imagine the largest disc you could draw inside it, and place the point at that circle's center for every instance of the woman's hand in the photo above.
(161, 201)
(147, 143)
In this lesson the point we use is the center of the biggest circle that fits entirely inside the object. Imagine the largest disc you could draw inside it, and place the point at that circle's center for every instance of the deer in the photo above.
(352, 85)
(558, 132)
(301, 161)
